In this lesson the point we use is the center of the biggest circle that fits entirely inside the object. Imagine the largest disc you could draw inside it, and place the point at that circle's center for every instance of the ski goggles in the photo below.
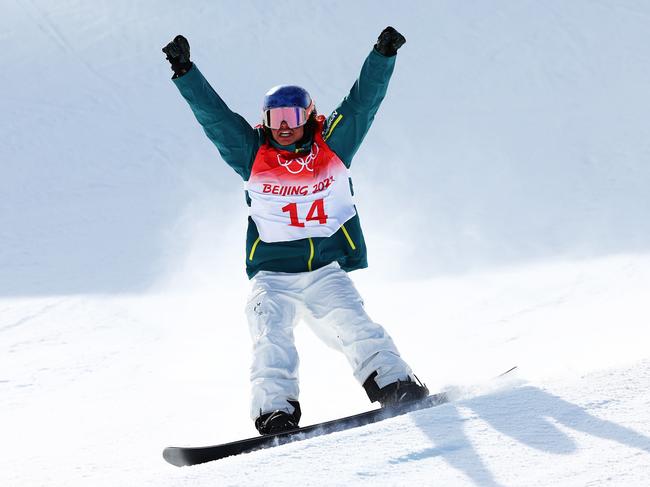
(293, 116)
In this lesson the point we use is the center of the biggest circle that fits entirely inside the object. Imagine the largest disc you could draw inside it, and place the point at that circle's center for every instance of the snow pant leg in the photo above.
(334, 310)
(274, 371)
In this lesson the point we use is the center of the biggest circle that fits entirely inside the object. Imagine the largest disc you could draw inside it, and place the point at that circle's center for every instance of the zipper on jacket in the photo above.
(347, 236)
(311, 254)
(250, 256)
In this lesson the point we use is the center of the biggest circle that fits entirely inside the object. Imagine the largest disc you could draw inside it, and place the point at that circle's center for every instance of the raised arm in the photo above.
(235, 139)
(349, 123)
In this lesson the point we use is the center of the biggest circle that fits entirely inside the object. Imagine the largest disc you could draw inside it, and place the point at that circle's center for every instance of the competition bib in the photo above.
(295, 196)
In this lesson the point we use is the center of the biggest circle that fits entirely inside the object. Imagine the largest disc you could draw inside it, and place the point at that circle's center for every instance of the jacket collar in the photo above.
(304, 147)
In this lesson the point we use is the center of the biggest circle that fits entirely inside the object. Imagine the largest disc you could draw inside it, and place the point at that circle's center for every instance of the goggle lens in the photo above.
(294, 116)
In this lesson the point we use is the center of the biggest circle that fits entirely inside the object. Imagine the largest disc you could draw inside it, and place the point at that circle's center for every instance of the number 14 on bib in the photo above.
(316, 213)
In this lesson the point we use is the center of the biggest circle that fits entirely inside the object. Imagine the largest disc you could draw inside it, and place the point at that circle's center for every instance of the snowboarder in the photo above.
(304, 233)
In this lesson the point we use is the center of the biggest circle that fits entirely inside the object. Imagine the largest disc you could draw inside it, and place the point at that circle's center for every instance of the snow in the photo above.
(521, 127)
(470, 442)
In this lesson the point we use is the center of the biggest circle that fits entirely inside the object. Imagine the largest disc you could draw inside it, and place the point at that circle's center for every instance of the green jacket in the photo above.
(344, 131)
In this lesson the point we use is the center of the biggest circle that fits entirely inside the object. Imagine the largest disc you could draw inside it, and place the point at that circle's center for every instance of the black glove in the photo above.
(389, 42)
(178, 54)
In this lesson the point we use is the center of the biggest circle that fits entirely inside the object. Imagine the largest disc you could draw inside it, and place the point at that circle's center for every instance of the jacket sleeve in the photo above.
(235, 139)
(349, 123)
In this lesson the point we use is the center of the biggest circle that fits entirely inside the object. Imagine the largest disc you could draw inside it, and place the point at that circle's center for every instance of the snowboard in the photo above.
(185, 456)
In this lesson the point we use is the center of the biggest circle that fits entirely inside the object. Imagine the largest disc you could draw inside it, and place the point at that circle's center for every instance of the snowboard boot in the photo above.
(278, 421)
(396, 393)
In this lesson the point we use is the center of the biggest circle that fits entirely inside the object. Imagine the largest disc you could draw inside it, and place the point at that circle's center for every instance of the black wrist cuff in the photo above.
(181, 68)
(386, 51)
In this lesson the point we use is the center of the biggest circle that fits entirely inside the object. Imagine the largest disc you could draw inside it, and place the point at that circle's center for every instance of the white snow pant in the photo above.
(330, 304)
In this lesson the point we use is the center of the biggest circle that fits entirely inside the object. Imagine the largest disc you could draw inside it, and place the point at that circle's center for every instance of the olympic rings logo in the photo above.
(297, 165)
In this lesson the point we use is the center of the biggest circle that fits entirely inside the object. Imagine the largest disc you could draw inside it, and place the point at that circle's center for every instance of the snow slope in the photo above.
(576, 431)
(520, 126)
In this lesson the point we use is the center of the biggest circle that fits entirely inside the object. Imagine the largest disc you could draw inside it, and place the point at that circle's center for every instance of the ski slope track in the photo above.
(503, 190)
